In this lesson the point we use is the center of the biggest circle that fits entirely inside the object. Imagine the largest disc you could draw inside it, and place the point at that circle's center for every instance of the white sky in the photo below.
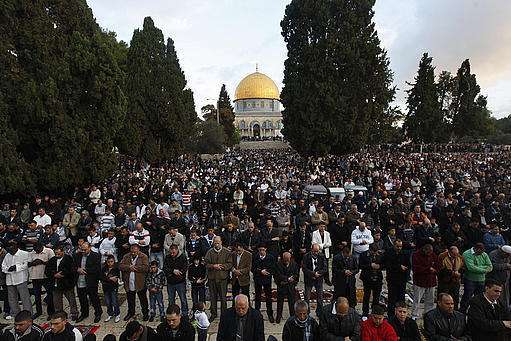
(220, 41)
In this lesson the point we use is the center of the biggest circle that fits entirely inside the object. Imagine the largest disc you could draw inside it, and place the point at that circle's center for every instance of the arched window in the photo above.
(243, 125)
(269, 125)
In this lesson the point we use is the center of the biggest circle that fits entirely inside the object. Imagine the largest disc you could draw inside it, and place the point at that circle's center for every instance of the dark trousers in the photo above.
(375, 290)
(38, 284)
(198, 294)
(202, 334)
(142, 297)
(470, 288)
(453, 290)
(259, 287)
(396, 293)
(347, 290)
(237, 288)
(283, 293)
(4, 297)
(86, 294)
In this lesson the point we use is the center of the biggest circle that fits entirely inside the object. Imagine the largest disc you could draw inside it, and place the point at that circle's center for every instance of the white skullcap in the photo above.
(506, 249)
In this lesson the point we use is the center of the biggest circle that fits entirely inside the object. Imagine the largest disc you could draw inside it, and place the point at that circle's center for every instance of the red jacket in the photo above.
(385, 332)
(421, 266)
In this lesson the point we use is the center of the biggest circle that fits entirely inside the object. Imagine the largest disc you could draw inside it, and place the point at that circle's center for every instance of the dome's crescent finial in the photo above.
(257, 67)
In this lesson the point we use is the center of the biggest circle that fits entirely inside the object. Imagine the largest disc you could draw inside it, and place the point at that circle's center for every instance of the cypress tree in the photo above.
(226, 117)
(337, 81)
(470, 114)
(161, 109)
(63, 92)
(425, 122)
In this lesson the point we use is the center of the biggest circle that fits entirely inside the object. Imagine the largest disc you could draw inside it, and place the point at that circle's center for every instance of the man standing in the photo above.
(175, 327)
(397, 264)
(88, 265)
(39, 257)
(263, 267)
(15, 266)
(444, 322)
(23, 329)
(314, 268)
(477, 264)
(488, 318)
(500, 259)
(450, 265)
(406, 328)
(61, 274)
(241, 322)
(175, 268)
(134, 267)
(344, 270)
(302, 241)
(300, 325)
(371, 264)
(70, 222)
(361, 238)
(219, 263)
(376, 328)
(287, 275)
(339, 321)
(424, 264)
(242, 265)
(322, 238)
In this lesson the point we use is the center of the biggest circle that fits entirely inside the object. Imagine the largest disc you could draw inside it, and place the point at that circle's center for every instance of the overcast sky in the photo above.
(220, 41)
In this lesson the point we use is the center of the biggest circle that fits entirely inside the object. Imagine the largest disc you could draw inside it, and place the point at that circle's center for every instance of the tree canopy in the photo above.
(337, 80)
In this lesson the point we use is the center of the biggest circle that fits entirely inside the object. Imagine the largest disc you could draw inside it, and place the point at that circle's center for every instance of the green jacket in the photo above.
(477, 266)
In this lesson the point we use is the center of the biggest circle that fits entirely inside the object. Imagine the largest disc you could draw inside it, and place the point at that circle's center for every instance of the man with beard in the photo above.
(397, 265)
(300, 325)
(287, 274)
(371, 264)
(344, 270)
(263, 267)
(314, 267)
(376, 328)
(175, 327)
(219, 263)
(242, 265)
(88, 264)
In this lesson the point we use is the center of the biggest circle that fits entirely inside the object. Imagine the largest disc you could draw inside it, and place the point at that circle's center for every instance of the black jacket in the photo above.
(197, 272)
(175, 263)
(370, 276)
(409, 331)
(332, 326)
(301, 240)
(439, 326)
(253, 330)
(109, 285)
(258, 264)
(92, 267)
(250, 241)
(321, 267)
(282, 274)
(68, 334)
(185, 332)
(34, 334)
(68, 269)
(339, 265)
(292, 331)
(197, 250)
(393, 262)
(485, 322)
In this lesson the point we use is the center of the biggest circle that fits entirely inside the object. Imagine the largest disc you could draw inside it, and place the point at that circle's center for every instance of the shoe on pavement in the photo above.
(108, 318)
(270, 318)
(278, 319)
(97, 319)
(81, 318)
(117, 318)
(151, 318)
(128, 317)
(145, 318)
(8, 317)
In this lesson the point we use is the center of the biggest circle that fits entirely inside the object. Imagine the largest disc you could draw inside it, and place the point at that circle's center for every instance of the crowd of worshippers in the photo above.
(199, 227)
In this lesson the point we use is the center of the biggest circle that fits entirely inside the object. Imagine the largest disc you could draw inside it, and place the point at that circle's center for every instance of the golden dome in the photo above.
(257, 86)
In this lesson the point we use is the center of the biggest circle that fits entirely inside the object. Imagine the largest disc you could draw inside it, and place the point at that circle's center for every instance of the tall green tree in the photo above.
(337, 81)
(161, 110)
(226, 116)
(425, 121)
(62, 90)
(471, 116)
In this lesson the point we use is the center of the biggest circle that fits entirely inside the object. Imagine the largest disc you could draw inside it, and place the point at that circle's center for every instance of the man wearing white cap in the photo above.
(501, 261)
